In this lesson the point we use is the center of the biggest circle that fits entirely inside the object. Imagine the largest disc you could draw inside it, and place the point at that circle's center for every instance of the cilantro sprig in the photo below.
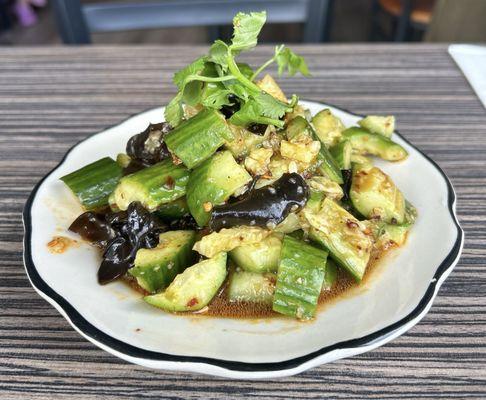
(216, 79)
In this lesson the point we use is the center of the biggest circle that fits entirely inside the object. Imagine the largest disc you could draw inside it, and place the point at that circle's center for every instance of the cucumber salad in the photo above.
(241, 202)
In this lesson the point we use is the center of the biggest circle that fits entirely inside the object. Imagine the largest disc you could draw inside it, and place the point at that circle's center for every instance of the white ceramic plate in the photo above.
(116, 319)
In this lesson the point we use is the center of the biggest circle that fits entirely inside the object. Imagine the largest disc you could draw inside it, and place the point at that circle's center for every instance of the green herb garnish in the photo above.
(215, 80)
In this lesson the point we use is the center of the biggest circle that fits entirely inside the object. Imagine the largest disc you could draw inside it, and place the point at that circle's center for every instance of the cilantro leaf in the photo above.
(245, 69)
(238, 89)
(191, 93)
(218, 53)
(246, 28)
(194, 68)
(215, 97)
(287, 59)
(173, 111)
(271, 107)
(252, 112)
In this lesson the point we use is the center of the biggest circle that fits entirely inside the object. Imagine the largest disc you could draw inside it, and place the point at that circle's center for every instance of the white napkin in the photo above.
(471, 59)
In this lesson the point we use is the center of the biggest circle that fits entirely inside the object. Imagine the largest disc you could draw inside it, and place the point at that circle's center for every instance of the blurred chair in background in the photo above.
(410, 18)
(5, 20)
(77, 21)
(458, 21)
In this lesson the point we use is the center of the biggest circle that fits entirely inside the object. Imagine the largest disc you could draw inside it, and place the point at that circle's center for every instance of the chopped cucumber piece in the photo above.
(258, 257)
(161, 183)
(387, 235)
(326, 164)
(295, 127)
(366, 142)
(194, 288)
(299, 280)
(212, 183)
(174, 210)
(251, 287)
(342, 154)
(360, 159)
(343, 235)
(375, 196)
(123, 160)
(243, 141)
(328, 127)
(315, 200)
(268, 85)
(197, 138)
(156, 268)
(330, 277)
(94, 183)
(289, 224)
(378, 124)
(228, 239)
(326, 186)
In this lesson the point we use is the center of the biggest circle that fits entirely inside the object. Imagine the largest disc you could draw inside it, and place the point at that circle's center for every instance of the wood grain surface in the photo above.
(50, 98)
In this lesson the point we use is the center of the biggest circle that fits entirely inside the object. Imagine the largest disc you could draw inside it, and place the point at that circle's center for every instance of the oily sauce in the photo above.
(221, 307)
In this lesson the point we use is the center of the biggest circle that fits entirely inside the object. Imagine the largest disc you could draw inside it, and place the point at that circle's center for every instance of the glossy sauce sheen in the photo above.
(221, 307)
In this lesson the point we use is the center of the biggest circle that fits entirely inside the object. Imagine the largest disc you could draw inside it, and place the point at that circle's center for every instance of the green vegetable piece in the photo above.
(295, 127)
(156, 268)
(366, 142)
(194, 288)
(330, 276)
(392, 234)
(212, 183)
(299, 280)
(375, 196)
(325, 161)
(379, 125)
(328, 127)
(290, 224)
(258, 257)
(251, 287)
(161, 183)
(94, 183)
(315, 200)
(174, 210)
(247, 27)
(328, 166)
(387, 235)
(342, 154)
(342, 235)
(123, 160)
(197, 138)
(243, 141)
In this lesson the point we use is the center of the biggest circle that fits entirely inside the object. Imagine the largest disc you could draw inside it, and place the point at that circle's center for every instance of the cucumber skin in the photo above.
(295, 127)
(251, 287)
(330, 277)
(159, 273)
(326, 163)
(375, 144)
(328, 166)
(197, 138)
(214, 181)
(342, 154)
(329, 236)
(299, 280)
(200, 281)
(174, 210)
(94, 183)
(150, 185)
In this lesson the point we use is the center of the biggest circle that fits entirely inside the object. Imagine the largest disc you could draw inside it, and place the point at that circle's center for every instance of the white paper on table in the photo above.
(471, 59)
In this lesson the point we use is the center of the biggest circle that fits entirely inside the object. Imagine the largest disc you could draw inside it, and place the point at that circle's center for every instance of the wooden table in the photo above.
(50, 98)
